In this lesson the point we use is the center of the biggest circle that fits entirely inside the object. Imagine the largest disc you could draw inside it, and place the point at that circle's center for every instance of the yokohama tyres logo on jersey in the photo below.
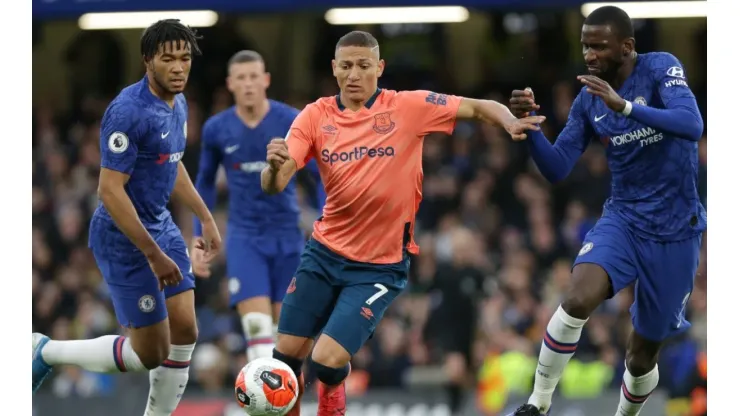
(356, 154)
(645, 136)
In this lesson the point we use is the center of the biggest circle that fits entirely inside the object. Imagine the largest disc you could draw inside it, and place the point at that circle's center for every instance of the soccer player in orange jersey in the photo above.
(368, 144)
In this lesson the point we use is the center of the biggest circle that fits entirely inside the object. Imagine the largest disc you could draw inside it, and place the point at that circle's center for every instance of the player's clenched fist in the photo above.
(277, 153)
(165, 269)
(522, 102)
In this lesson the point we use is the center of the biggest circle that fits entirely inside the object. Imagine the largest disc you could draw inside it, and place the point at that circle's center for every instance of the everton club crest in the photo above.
(383, 123)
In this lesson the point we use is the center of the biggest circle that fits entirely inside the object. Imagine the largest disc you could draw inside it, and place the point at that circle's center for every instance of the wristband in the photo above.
(627, 108)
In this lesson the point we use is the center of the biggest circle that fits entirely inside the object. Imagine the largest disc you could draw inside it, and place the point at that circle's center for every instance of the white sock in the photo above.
(107, 354)
(558, 346)
(259, 332)
(168, 381)
(636, 391)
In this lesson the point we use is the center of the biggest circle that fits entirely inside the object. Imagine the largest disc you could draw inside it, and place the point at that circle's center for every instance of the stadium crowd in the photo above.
(497, 245)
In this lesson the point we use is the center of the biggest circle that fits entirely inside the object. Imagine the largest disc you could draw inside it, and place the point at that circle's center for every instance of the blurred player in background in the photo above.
(368, 144)
(264, 240)
(642, 110)
(137, 246)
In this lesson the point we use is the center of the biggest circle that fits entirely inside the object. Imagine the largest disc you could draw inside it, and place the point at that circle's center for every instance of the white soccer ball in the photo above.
(266, 387)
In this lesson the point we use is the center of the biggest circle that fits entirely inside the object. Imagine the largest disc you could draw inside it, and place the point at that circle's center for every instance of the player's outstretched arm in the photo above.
(497, 114)
(113, 195)
(556, 161)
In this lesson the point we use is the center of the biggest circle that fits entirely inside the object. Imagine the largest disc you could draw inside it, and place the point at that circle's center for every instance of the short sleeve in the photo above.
(436, 113)
(120, 134)
(670, 77)
(300, 138)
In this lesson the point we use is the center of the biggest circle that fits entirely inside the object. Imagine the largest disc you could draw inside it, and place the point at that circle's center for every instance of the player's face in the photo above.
(357, 70)
(171, 66)
(603, 51)
(248, 82)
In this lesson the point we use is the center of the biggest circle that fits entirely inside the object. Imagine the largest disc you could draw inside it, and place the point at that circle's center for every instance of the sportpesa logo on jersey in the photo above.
(356, 154)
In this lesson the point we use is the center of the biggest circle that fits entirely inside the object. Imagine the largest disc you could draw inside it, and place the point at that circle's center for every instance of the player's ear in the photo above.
(381, 68)
(268, 79)
(334, 67)
(628, 46)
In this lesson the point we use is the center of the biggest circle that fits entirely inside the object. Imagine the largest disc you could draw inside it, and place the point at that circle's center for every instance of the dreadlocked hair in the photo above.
(166, 31)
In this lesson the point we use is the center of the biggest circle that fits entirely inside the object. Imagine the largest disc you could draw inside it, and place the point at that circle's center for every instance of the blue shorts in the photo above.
(134, 289)
(342, 298)
(261, 265)
(663, 271)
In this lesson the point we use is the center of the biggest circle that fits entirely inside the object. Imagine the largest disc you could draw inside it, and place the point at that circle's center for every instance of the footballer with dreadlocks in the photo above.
(140, 251)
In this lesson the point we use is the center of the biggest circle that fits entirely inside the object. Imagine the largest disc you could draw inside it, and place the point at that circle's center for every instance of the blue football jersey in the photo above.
(142, 136)
(227, 141)
(655, 174)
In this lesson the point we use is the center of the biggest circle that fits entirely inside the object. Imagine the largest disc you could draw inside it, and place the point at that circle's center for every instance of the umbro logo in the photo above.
(329, 129)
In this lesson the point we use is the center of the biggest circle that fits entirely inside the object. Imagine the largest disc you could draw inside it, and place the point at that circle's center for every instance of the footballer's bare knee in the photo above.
(151, 343)
(328, 352)
(589, 287)
(293, 346)
(183, 324)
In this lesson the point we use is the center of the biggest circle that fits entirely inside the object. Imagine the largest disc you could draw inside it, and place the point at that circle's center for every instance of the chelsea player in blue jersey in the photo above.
(137, 246)
(642, 110)
(264, 240)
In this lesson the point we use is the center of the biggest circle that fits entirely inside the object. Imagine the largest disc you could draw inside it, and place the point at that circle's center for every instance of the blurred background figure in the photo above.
(497, 241)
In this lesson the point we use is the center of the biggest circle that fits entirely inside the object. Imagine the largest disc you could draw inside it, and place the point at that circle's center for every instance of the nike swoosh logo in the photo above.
(231, 149)
(164, 135)
(599, 118)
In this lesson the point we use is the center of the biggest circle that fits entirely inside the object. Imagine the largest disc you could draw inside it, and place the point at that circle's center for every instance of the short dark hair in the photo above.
(166, 31)
(357, 38)
(243, 57)
(614, 17)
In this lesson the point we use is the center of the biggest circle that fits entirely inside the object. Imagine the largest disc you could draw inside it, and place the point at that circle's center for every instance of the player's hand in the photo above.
(277, 153)
(210, 243)
(600, 88)
(519, 127)
(522, 102)
(197, 258)
(165, 269)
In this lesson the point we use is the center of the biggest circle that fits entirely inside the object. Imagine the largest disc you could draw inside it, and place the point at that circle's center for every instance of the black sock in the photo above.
(330, 376)
(295, 364)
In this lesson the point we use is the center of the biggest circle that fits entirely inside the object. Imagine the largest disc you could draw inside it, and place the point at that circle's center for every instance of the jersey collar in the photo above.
(368, 104)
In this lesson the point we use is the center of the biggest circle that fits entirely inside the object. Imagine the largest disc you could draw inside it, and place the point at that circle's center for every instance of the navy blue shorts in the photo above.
(261, 265)
(134, 289)
(663, 273)
(341, 298)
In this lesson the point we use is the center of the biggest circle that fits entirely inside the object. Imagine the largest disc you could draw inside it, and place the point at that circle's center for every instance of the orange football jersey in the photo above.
(370, 164)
